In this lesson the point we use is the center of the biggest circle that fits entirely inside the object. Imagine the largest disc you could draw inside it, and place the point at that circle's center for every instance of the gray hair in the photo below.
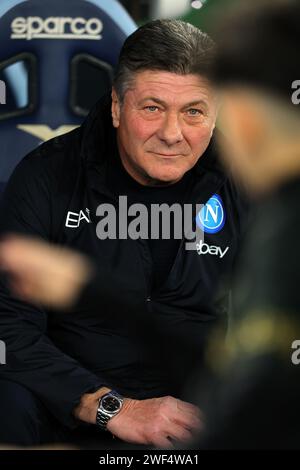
(164, 45)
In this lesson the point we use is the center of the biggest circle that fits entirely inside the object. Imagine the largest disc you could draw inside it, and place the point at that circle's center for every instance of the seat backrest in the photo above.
(56, 59)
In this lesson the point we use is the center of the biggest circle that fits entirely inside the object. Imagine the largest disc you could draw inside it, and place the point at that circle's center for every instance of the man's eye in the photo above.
(151, 109)
(194, 112)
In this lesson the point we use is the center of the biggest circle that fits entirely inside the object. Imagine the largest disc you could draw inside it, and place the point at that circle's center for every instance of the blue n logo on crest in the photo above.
(211, 218)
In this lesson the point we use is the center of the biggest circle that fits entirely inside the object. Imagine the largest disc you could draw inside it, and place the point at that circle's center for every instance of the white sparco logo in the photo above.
(35, 27)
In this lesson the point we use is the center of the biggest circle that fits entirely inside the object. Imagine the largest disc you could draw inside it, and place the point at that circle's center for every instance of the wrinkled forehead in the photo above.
(170, 88)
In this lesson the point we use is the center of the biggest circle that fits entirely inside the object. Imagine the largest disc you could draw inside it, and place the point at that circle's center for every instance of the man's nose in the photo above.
(170, 131)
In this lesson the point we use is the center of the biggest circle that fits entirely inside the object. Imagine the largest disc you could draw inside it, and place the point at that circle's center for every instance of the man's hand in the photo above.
(43, 273)
(158, 422)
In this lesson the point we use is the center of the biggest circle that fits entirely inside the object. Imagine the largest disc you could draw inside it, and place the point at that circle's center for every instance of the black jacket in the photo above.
(61, 356)
(253, 400)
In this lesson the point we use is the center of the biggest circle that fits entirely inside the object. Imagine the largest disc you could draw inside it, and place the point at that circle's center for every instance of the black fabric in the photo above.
(60, 357)
(29, 423)
(25, 421)
(254, 402)
(163, 251)
(254, 405)
(273, 244)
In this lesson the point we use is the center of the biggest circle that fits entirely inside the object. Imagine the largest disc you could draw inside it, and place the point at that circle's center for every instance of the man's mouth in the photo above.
(167, 155)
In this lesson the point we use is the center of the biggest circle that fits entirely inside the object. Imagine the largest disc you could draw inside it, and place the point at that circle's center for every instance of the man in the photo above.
(257, 387)
(152, 143)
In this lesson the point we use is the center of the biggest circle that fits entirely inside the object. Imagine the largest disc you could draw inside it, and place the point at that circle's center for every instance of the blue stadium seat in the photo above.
(56, 59)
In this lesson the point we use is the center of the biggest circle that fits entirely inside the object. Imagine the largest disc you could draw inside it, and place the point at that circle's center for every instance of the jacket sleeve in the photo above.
(32, 359)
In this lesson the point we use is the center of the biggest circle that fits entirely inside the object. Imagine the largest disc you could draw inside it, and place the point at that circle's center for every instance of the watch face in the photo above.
(110, 404)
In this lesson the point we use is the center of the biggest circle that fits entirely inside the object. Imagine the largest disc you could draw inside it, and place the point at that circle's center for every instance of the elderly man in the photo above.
(152, 142)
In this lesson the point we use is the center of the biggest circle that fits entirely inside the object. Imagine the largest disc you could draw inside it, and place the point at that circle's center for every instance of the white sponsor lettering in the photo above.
(205, 249)
(35, 27)
(74, 219)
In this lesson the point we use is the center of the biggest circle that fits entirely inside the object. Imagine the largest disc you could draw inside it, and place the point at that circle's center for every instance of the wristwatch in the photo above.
(109, 406)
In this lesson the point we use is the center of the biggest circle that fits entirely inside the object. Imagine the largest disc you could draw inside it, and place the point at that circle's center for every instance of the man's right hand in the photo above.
(158, 422)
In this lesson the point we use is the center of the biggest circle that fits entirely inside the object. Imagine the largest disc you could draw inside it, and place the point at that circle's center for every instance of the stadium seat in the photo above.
(56, 59)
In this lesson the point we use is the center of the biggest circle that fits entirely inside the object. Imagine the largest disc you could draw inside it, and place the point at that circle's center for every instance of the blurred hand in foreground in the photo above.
(43, 273)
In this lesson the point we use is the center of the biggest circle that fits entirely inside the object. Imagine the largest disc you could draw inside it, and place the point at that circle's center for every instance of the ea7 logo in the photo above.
(74, 219)
(2, 92)
(35, 27)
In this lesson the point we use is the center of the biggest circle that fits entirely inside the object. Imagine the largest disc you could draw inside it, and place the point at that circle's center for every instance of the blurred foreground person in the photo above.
(151, 143)
(47, 274)
(258, 382)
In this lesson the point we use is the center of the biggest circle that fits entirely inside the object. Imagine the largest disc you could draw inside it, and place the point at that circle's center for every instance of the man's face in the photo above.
(164, 125)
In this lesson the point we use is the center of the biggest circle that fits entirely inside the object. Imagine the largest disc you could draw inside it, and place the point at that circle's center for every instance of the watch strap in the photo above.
(102, 416)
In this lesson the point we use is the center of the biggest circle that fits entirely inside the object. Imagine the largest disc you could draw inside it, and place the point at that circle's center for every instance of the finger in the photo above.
(189, 408)
(16, 259)
(179, 433)
(162, 442)
(8, 258)
(22, 252)
(189, 421)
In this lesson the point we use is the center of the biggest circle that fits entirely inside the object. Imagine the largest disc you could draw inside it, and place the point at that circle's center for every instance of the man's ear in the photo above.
(115, 108)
